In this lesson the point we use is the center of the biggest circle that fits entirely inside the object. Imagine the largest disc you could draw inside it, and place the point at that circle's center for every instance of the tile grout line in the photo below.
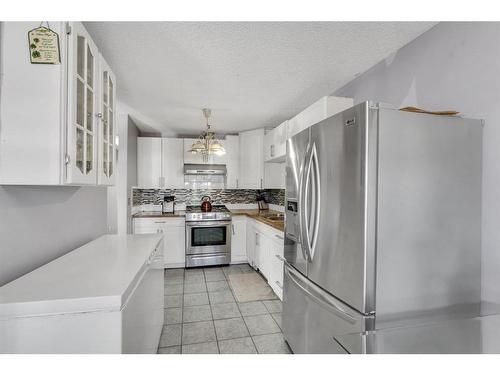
(211, 314)
(242, 318)
(182, 306)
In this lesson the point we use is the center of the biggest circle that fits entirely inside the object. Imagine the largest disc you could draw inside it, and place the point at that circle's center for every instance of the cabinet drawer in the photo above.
(155, 222)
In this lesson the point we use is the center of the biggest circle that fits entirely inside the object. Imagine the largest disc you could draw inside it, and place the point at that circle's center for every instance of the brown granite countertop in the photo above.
(261, 216)
(157, 214)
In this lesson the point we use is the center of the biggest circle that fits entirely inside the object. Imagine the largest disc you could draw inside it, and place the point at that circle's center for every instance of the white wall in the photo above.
(452, 66)
(41, 223)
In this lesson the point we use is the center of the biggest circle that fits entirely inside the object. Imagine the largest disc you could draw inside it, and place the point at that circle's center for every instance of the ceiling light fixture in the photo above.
(207, 143)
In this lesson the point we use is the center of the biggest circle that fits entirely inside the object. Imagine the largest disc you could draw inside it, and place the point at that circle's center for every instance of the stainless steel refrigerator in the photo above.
(383, 224)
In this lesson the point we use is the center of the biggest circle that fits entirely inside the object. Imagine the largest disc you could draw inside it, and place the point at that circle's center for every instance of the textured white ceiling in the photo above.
(252, 74)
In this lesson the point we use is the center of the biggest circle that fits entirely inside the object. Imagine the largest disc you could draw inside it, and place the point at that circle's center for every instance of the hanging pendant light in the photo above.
(207, 143)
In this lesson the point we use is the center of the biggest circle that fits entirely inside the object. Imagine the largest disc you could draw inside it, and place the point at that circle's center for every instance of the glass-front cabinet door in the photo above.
(107, 132)
(82, 107)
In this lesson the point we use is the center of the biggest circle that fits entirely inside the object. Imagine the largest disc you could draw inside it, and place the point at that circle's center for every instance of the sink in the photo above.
(275, 217)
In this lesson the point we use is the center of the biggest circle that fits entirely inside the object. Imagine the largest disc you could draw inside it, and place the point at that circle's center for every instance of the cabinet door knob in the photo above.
(99, 115)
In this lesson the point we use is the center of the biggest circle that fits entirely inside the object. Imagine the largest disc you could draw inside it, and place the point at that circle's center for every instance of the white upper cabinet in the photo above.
(232, 145)
(251, 159)
(51, 129)
(149, 171)
(172, 163)
(274, 175)
(83, 107)
(107, 132)
(160, 163)
(325, 107)
(275, 144)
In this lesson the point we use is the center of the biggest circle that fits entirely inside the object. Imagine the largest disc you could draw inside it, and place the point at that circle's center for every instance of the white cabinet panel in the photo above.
(274, 175)
(318, 111)
(30, 140)
(239, 239)
(149, 157)
(174, 237)
(232, 145)
(265, 246)
(142, 316)
(277, 266)
(252, 159)
(275, 144)
(174, 251)
(172, 163)
(160, 163)
(251, 243)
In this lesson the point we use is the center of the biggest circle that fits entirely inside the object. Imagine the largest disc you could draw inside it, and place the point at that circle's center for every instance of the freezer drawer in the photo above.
(311, 317)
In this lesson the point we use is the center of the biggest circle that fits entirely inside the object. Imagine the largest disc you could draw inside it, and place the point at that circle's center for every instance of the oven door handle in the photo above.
(213, 223)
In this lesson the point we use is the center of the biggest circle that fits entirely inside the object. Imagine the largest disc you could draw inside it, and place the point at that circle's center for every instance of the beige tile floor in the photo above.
(203, 317)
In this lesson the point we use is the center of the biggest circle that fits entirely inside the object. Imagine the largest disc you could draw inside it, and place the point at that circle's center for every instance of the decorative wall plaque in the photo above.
(44, 46)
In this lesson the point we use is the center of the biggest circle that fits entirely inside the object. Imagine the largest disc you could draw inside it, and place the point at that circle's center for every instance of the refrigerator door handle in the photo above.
(320, 297)
(310, 238)
(300, 208)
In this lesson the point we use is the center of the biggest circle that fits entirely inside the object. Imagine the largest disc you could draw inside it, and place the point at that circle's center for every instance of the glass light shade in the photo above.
(197, 147)
(217, 148)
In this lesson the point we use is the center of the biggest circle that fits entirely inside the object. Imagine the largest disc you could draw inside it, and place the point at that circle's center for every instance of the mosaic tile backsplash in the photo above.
(219, 196)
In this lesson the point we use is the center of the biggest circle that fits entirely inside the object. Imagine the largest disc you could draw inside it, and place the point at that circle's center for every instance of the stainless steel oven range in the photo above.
(208, 236)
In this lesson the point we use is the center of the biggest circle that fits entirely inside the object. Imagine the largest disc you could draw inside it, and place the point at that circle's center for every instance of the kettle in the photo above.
(206, 204)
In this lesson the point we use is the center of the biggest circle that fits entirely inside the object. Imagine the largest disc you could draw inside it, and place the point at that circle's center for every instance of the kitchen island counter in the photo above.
(91, 300)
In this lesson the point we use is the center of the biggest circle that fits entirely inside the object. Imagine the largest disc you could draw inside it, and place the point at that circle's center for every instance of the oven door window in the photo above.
(208, 236)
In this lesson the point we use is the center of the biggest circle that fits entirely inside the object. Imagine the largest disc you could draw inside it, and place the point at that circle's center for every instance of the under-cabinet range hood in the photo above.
(205, 169)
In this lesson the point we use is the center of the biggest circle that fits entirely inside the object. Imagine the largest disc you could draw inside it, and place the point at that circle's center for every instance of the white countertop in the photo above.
(97, 276)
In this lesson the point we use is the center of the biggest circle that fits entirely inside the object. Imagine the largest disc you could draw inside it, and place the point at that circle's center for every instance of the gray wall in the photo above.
(126, 176)
(132, 134)
(41, 223)
(452, 66)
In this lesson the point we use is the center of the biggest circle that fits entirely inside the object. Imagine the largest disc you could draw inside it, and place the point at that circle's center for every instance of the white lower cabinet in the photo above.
(174, 237)
(239, 240)
(277, 267)
(264, 254)
(265, 249)
(251, 243)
